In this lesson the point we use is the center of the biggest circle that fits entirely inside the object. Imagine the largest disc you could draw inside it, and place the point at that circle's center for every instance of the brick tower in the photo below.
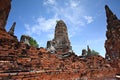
(61, 41)
(112, 44)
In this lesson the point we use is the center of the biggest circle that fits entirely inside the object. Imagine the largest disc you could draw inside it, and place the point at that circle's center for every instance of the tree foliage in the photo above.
(33, 43)
(94, 53)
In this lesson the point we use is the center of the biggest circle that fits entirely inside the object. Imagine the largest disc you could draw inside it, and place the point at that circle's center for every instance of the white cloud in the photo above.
(50, 36)
(71, 11)
(46, 24)
(28, 30)
(51, 2)
(42, 25)
(89, 19)
(74, 3)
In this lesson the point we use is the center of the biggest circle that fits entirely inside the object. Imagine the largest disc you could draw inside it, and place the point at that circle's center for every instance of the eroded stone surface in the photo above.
(61, 42)
(20, 61)
(5, 6)
(11, 31)
(112, 43)
(25, 39)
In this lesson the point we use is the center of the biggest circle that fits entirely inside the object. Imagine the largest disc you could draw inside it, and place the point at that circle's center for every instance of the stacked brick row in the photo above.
(20, 61)
(19, 58)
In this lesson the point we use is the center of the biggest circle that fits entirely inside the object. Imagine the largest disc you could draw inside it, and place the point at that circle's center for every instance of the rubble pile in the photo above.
(20, 61)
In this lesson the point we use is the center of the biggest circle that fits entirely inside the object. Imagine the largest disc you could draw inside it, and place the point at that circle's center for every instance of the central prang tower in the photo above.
(61, 42)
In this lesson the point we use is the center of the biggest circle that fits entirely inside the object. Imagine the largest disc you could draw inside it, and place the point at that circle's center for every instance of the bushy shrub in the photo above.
(94, 53)
(33, 43)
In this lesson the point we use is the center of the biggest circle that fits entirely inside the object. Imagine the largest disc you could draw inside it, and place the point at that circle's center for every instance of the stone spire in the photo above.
(88, 51)
(61, 35)
(109, 14)
(61, 41)
(5, 6)
(112, 44)
(61, 30)
(11, 31)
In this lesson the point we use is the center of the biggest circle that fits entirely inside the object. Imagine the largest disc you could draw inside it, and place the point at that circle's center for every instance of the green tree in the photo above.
(94, 53)
(33, 43)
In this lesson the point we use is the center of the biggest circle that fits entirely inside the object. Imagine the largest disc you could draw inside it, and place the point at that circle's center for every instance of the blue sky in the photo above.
(85, 19)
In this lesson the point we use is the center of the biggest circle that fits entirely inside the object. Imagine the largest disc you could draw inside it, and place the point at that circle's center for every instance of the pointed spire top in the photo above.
(109, 14)
(108, 11)
(11, 31)
(88, 51)
(88, 48)
(60, 22)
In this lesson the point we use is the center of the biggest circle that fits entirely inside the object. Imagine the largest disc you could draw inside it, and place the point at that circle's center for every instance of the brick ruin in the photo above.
(5, 7)
(11, 31)
(61, 42)
(19, 61)
(25, 39)
(112, 43)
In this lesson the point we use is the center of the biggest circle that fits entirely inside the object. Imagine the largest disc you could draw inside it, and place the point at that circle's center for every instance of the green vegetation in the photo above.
(33, 43)
(93, 53)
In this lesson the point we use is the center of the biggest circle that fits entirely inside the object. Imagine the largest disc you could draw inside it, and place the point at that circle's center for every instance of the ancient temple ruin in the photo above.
(112, 44)
(11, 31)
(19, 61)
(61, 41)
(25, 39)
(5, 7)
